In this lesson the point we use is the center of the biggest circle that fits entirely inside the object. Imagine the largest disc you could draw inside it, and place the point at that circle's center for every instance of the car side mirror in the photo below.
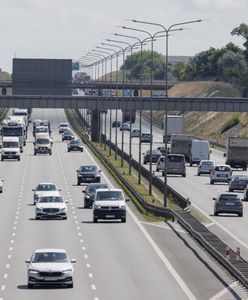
(27, 261)
(66, 201)
(77, 170)
(224, 154)
(214, 199)
(60, 190)
(127, 200)
(33, 190)
(33, 143)
(73, 260)
(210, 151)
(100, 171)
(83, 191)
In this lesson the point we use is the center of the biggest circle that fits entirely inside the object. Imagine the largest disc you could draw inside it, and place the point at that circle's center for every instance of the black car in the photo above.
(116, 124)
(89, 174)
(75, 145)
(89, 193)
(67, 135)
(154, 157)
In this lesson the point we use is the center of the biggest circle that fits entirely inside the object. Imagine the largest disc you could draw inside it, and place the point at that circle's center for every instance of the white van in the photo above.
(200, 150)
(10, 148)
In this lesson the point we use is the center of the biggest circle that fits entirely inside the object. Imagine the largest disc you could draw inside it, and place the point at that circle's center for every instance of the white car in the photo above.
(51, 205)
(221, 173)
(63, 127)
(50, 267)
(42, 188)
(205, 167)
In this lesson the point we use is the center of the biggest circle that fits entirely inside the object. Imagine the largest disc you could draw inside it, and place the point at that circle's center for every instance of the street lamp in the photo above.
(167, 31)
(123, 82)
(116, 91)
(111, 79)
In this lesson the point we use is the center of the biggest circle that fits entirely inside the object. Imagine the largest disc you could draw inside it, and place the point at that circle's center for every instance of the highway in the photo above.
(136, 260)
(196, 188)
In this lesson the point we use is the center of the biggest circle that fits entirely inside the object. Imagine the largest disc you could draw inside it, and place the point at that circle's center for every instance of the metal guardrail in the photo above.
(208, 240)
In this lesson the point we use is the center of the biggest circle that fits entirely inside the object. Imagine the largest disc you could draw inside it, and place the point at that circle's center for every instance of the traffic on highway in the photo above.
(68, 230)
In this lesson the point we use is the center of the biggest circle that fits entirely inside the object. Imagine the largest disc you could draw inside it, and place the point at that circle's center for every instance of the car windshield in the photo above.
(109, 195)
(46, 187)
(207, 163)
(240, 177)
(93, 188)
(225, 197)
(88, 168)
(222, 169)
(64, 125)
(175, 158)
(74, 142)
(10, 145)
(41, 129)
(42, 141)
(50, 257)
(67, 132)
(51, 199)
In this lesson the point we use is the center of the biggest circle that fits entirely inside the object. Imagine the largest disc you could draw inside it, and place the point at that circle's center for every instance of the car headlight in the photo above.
(97, 206)
(123, 207)
(33, 271)
(67, 271)
(63, 209)
(38, 209)
(87, 197)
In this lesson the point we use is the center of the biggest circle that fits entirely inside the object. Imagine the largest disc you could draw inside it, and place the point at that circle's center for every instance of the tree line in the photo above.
(228, 64)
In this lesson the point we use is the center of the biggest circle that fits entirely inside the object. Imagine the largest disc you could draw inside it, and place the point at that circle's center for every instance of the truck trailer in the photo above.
(181, 144)
(175, 125)
(237, 152)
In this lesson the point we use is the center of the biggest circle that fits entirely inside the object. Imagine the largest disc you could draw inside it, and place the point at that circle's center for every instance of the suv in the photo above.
(229, 203)
(221, 173)
(109, 204)
(135, 133)
(42, 144)
(88, 173)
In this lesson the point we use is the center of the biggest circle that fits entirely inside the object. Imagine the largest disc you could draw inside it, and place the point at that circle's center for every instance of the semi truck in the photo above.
(175, 125)
(181, 144)
(237, 152)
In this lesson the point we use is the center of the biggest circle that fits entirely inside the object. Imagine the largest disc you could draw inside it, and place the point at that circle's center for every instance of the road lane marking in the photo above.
(88, 266)
(2, 287)
(5, 276)
(7, 266)
(90, 275)
(93, 287)
(86, 256)
(224, 291)
(161, 255)
(9, 256)
(209, 224)
(164, 227)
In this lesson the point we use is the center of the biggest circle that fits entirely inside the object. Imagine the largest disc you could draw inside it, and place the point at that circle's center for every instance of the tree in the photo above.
(242, 30)
(142, 69)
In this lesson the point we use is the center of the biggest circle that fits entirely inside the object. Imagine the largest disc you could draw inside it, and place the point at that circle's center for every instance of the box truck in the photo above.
(175, 125)
(237, 152)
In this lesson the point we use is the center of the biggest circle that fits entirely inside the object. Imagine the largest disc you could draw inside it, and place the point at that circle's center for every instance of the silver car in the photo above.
(50, 267)
(228, 203)
(205, 167)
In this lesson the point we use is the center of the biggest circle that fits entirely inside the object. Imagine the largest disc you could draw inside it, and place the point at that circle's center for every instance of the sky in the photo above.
(71, 28)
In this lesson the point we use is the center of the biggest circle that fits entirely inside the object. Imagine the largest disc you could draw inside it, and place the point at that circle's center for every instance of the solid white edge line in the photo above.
(166, 262)
(224, 291)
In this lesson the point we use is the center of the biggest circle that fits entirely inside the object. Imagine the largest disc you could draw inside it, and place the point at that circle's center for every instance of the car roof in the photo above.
(46, 183)
(50, 250)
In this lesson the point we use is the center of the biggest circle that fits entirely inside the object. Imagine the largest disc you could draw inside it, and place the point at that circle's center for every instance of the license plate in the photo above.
(51, 278)
(222, 175)
(109, 216)
(229, 204)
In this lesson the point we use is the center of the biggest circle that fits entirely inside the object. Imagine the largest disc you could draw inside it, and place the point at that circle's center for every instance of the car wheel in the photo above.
(123, 220)
(184, 174)
(70, 286)
(1, 158)
(211, 182)
(19, 158)
(215, 213)
(98, 180)
(230, 190)
(198, 174)
(240, 215)
(50, 153)
(64, 218)
(35, 153)
(145, 162)
(78, 183)
(69, 150)
(82, 150)
(95, 219)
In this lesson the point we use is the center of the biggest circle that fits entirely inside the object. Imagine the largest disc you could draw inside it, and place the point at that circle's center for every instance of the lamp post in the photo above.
(123, 82)
(116, 92)
(111, 80)
(167, 31)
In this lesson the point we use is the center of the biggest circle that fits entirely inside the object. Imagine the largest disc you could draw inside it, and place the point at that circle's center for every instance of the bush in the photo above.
(229, 124)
